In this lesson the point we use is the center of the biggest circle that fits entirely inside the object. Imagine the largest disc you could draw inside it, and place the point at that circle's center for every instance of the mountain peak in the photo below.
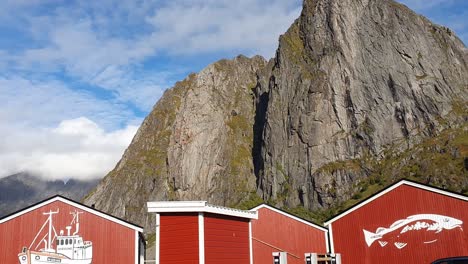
(353, 79)
(198, 132)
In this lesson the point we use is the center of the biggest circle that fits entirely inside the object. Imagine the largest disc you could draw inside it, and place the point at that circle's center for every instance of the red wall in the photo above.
(226, 240)
(179, 238)
(112, 243)
(398, 204)
(274, 232)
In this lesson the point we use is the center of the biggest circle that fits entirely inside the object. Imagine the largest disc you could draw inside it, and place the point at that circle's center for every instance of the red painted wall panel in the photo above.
(112, 243)
(274, 232)
(179, 238)
(419, 245)
(226, 240)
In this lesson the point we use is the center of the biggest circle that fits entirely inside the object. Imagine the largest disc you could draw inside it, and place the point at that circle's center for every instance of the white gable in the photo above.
(74, 204)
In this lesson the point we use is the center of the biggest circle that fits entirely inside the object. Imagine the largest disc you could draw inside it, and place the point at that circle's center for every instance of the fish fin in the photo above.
(380, 229)
(383, 243)
(400, 245)
(370, 237)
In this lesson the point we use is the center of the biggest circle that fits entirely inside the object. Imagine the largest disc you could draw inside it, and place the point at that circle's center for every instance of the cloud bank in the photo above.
(35, 135)
(76, 148)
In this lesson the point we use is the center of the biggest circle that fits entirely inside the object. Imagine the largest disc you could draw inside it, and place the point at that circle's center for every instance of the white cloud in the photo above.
(251, 26)
(92, 57)
(76, 148)
(47, 128)
(44, 103)
(105, 44)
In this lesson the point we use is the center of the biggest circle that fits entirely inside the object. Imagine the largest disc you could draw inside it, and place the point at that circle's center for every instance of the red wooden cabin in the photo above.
(60, 230)
(405, 223)
(278, 231)
(197, 232)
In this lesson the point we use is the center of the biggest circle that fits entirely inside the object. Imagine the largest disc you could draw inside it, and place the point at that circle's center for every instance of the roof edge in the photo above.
(72, 203)
(287, 214)
(197, 206)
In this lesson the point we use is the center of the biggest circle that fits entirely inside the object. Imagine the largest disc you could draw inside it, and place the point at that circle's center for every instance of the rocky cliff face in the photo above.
(195, 144)
(352, 78)
(360, 93)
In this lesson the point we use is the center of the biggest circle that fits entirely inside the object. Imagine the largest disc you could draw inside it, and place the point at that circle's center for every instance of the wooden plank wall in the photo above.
(179, 238)
(274, 232)
(112, 243)
(422, 246)
(226, 239)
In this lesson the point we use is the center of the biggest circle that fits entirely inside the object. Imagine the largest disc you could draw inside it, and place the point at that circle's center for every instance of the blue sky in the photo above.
(78, 77)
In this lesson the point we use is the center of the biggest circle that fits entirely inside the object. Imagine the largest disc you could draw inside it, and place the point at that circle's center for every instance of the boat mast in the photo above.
(49, 236)
(76, 221)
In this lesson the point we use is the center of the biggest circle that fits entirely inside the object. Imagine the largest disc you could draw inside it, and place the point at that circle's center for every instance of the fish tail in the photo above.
(370, 237)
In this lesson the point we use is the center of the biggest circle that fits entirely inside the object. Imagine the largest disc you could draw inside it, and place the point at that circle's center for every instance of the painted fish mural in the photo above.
(421, 222)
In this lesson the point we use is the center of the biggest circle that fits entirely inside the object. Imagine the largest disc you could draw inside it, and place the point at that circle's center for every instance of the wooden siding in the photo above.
(179, 238)
(274, 232)
(112, 243)
(226, 239)
(422, 246)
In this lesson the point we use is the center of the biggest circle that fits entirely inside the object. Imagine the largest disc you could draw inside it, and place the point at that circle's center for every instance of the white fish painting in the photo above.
(420, 222)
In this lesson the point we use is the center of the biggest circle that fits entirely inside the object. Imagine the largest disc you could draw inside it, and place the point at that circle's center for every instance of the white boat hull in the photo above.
(33, 257)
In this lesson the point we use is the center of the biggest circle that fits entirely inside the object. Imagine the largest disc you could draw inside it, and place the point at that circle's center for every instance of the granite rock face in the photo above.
(195, 144)
(351, 78)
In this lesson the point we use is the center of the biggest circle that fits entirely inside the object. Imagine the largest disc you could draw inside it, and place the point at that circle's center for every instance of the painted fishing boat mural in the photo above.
(70, 248)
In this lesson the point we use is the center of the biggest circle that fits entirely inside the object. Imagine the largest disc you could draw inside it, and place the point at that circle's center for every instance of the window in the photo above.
(66, 241)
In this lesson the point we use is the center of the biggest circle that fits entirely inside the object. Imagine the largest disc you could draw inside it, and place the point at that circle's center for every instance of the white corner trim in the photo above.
(255, 209)
(201, 239)
(332, 244)
(137, 253)
(391, 188)
(327, 241)
(250, 242)
(157, 241)
(197, 207)
(74, 204)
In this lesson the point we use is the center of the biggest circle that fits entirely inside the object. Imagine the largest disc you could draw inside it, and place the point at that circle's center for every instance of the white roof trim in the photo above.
(389, 189)
(255, 209)
(197, 207)
(75, 204)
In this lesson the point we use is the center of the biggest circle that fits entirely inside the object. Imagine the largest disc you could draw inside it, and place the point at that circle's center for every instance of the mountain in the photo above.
(195, 144)
(20, 190)
(359, 94)
(352, 84)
